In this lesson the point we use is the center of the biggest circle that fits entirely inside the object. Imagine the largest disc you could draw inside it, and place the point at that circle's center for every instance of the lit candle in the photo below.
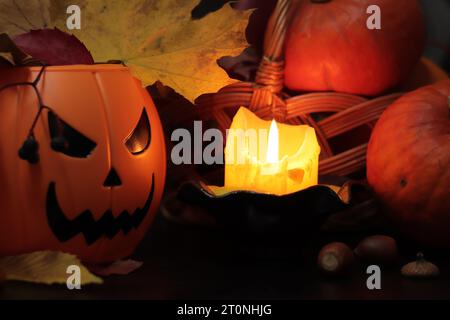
(269, 157)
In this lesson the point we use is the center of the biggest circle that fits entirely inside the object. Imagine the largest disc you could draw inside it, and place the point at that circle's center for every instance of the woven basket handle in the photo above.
(270, 74)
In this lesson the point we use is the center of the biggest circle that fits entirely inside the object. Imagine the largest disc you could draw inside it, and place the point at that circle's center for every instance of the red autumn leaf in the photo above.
(54, 47)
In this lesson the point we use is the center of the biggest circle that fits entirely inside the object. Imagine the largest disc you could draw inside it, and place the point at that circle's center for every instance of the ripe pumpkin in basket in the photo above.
(330, 48)
(408, 164)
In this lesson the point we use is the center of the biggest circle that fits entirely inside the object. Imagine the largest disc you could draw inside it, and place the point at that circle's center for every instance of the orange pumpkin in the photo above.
(330, 48)
(408, 164)
(96, 193)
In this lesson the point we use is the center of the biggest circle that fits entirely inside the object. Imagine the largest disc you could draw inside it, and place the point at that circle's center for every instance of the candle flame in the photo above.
(272, 144)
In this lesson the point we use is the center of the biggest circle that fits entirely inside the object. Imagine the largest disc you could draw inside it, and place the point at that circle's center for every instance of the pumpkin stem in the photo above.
(420, 257)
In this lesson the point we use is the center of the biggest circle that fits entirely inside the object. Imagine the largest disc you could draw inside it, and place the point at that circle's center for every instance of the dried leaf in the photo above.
(10, 54)
(121, 267)
(19, 16)
(243, 67)
(46, 267)
(157, 39)
(6, 58)
(66, 49)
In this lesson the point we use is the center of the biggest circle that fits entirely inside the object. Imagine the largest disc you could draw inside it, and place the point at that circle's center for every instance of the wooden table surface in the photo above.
(190, 262)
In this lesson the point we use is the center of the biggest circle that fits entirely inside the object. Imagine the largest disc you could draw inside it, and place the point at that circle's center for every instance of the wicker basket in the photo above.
(266, 98)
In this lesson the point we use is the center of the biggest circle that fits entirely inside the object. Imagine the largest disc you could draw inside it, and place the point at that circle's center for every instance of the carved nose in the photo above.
(113, 179)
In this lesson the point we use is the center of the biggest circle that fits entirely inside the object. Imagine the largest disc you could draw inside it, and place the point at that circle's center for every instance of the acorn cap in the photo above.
(420, 268)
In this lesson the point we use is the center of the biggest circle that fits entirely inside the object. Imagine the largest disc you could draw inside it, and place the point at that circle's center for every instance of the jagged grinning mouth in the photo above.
(65, 229)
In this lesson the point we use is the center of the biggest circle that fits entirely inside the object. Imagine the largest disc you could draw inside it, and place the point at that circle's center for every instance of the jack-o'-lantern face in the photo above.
(101, 169)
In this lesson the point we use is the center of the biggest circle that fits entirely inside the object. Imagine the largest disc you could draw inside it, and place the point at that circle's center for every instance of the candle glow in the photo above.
(272, 144)
(269, 157)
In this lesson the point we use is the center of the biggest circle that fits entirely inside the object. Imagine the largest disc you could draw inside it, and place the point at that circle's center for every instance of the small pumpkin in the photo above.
(408, 164)
(100, 173)
(330, 48)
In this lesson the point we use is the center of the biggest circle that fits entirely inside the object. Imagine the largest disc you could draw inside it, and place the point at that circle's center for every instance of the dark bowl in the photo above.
(257, 215)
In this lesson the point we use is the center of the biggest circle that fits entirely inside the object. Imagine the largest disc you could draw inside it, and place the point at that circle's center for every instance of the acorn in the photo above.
(378, 249)
(335, 258)
(420, 268)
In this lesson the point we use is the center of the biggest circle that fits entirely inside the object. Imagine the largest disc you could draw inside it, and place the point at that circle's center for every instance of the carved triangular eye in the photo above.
(68, 140)
(139, 140)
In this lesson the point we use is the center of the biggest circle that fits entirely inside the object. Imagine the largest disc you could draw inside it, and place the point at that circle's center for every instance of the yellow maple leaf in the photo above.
(19, 16)
(46, 267)
(158, 40)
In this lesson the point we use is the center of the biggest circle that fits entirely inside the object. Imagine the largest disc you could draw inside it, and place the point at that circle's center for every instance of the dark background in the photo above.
(437, 13)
